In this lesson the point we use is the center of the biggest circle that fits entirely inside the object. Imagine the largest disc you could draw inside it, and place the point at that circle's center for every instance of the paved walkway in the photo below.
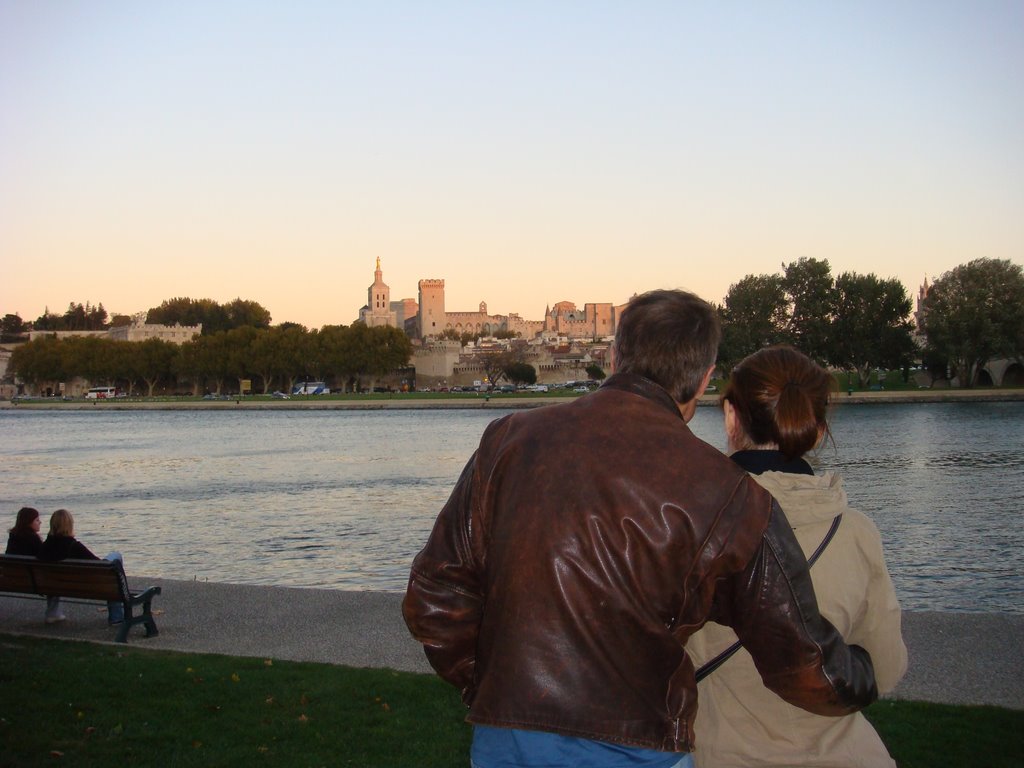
(956, 658)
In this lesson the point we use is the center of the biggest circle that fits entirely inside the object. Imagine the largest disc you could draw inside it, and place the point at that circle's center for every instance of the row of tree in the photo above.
(348, 356)
(213, 316)
(858, 323)
(853, 322)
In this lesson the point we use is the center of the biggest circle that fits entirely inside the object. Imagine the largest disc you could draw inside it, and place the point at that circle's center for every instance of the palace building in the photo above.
(429, 317)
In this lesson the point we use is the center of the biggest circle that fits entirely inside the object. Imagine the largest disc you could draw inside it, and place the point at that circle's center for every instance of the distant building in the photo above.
(33, 335)
(380, 310)
(428, 317)
(138, 330)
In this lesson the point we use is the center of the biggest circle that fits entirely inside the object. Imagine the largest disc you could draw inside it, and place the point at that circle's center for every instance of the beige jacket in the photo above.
(740, 722)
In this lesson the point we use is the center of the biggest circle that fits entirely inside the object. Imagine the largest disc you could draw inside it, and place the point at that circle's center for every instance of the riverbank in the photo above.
(413, 401)
(955, 658)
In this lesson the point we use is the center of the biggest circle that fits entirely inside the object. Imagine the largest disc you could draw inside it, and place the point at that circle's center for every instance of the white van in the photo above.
(311, 388)
(101, 393)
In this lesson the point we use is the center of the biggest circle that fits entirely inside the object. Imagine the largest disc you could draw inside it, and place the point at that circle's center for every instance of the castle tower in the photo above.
(432, 318)
(378, 302)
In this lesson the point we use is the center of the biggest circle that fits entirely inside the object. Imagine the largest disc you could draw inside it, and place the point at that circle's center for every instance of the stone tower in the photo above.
(378, 309)
(432, 318)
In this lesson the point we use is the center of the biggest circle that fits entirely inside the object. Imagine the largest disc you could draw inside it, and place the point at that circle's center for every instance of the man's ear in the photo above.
(707, 381)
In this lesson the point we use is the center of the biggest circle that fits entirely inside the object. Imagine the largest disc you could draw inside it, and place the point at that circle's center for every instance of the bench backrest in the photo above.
(90, 579)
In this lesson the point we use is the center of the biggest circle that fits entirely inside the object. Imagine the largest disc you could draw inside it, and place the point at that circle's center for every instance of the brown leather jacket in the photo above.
(583, 544)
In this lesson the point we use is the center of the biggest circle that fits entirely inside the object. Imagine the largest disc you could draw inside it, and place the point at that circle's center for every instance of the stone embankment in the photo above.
(414, 401)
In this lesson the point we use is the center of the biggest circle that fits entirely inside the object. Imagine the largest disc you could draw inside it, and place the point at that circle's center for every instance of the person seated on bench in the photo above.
(61, 544)
(23, 538)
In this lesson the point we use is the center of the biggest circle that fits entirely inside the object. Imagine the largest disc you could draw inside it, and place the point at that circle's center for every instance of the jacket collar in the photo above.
(756, 462)
(638, 385)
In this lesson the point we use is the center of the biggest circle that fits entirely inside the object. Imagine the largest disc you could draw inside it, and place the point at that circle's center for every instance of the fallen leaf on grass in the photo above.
(268, 662)
(234, 677)
(56, 753)
(303, 718)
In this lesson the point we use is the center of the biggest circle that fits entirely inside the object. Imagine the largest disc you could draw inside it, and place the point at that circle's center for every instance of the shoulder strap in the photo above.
(720, 659)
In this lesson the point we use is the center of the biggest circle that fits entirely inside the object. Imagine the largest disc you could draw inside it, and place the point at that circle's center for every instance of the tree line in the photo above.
(348, 356)
(857, 323)
(213, 316)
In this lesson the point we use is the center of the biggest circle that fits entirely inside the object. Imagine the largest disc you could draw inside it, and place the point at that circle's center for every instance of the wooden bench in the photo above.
(82, 580)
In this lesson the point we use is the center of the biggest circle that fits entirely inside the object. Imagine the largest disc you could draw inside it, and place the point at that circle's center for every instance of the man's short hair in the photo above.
(669, 337)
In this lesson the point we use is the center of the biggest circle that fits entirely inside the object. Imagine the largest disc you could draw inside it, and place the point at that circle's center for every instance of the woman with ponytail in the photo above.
(775, 407)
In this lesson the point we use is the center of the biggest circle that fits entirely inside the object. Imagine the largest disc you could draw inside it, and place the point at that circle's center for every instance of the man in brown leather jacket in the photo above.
(585, 542)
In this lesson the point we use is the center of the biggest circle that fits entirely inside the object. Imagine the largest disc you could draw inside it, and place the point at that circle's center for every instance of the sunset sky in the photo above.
(525, 152)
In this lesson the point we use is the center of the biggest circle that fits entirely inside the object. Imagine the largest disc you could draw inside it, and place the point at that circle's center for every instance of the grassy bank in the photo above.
(83, 704)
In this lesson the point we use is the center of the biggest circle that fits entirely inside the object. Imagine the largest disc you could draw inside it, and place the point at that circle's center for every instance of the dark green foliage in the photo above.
(754, 316)
(522, 373)
(972, 314)
(78, 317)
(871, 328)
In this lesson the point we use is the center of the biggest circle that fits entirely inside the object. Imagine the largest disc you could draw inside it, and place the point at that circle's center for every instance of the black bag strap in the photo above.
(720, 659)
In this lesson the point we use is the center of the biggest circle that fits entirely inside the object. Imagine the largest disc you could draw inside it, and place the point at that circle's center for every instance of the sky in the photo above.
(525, 152)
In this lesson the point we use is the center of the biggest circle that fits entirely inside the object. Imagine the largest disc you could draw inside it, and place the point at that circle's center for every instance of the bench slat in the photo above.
(16, 574)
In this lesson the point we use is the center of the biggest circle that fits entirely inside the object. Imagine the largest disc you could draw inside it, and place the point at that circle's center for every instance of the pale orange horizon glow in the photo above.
(526, 154)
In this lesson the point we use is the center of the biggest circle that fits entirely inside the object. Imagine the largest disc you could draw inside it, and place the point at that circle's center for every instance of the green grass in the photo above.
(84, 704)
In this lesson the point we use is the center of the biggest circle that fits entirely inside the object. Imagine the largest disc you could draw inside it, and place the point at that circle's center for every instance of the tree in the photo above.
(975, 313)
(809, 288)
(185, 311)
(12, 328)
(153, 361)
(463, 338)
(242, 312)
(871, 328)
(78, 317)
(208, 360)
(495, 362)
(594, 372)
(521, 373)
(338, 352)
(389, 349)
(755, 315)
(38, 361)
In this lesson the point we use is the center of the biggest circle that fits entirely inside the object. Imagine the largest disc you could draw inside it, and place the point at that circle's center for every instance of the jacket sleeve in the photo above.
(879, 628)
(444, 603)
(800, 656)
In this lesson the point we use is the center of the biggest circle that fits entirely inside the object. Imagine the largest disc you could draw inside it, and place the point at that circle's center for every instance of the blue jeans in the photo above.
(685, 761)
(115, 608)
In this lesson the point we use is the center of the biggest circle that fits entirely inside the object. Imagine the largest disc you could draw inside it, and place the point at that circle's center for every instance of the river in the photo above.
(344, 499)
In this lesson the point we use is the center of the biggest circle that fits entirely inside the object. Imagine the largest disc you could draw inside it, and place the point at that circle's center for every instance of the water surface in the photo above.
(344, 499)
